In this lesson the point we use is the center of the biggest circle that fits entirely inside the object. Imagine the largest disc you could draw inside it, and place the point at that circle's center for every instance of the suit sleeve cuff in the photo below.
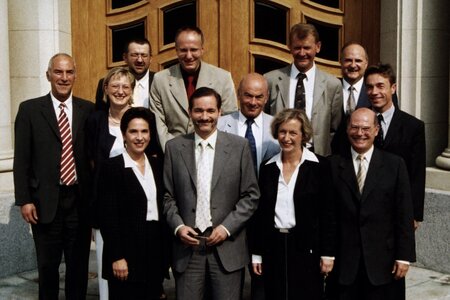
(228, 233)
(256, 259)
(178, 227)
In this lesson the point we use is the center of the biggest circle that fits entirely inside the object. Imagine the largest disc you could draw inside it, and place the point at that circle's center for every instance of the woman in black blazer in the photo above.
(131, 223)
(294, 227)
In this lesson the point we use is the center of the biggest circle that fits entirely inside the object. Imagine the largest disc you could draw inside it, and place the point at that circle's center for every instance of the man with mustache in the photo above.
(138, 56)
(173, 86)
(304, 86)
(211, 193)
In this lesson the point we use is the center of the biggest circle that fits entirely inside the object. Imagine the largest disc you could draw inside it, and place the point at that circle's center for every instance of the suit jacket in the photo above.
(234, 195)
(315, 230)
(340, 142)
(169, 102)
(406, 138)
(269, 147)
(100, 104)
(123, 220)
(327, 104)
(375, 228)
(37, 155)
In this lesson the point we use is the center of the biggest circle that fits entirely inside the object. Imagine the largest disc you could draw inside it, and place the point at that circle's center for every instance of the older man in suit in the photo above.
(250, 121)
(400, 133)
(302, 85)
(211, 192)
(52, 179)
(137, 55)
(172, 87)
(254, 124)
(376, 231)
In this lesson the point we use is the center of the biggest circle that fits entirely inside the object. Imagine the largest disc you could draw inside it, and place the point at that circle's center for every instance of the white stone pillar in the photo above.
(443, 160)
(6, 148)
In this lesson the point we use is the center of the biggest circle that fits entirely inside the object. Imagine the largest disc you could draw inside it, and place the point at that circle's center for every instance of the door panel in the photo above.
(240, 35)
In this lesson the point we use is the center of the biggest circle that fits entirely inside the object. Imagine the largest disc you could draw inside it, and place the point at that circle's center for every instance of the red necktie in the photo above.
(190, 87)
(67, 169)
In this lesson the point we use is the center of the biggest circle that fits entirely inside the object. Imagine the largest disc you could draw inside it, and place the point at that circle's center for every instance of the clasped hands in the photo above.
(190, 237)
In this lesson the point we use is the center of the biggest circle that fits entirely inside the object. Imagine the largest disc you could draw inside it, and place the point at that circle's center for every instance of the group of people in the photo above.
(318, 196)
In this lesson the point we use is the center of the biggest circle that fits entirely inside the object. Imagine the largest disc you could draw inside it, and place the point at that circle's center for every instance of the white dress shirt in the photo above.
(141, 92)
(308, 82)
(356, 92)
(147, 182)
(387, 118)
(118, 146)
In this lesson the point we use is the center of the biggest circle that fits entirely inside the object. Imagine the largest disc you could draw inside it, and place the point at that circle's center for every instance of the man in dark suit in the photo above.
(401, 134)
(304, 86)
(52, 179)
(137, 55)
(375, 226)
(211, 192)
(354, 60)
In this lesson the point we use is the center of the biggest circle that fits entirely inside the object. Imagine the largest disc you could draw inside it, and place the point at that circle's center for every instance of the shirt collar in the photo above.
(387, 115)
(311, 73)
(144, 80)
(307, 155)
(357, 86)
(129, 162)
(211, 139)
(243, 119)
(56, 102)
(367, 155)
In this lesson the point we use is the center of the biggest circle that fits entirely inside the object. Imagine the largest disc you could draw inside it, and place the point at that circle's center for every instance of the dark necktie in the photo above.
(379, 141)
(67, 167)
(251, 140)
(190, 89)
(300, 99)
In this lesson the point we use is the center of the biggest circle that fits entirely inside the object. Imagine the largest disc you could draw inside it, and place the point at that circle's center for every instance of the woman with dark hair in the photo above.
(130, 192)
(294, 226)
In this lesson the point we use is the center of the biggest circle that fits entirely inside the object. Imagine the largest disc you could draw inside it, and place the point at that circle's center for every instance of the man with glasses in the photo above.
(137, 55)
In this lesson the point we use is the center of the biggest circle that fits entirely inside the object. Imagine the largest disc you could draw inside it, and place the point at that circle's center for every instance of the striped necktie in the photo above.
(67, 168)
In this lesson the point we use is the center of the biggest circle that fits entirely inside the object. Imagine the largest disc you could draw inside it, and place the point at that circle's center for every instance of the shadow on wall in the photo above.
(17, 253)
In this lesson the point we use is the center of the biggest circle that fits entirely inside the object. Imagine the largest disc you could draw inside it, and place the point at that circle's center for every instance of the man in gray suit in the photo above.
(172, 87)
(322, 92)
(211, 192)
(252, 94)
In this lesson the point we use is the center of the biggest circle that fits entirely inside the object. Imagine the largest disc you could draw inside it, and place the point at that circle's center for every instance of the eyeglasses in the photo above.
(364, 129)
(116, 87)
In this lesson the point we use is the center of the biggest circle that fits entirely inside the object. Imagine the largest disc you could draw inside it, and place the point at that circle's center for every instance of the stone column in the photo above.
(6, 149)
(443, 160)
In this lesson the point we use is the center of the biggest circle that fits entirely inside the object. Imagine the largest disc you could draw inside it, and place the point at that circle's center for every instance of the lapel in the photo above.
(221, 153)
(49, 114)
(363, 100)
(347, 175)
(283, 85)
(77, 117)
(177, 88)
(319, 88)
(394, 128)
(204, 77)
(188, 156)
(231, 124)
(373, 174)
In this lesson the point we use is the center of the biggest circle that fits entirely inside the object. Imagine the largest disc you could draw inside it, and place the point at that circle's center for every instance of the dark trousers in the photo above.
(363, 289)
(291, 273)
(205, 275)
(67, 235)
(124, 290)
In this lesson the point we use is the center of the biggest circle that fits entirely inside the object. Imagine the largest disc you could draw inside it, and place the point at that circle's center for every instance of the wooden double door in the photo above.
(241, 36)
